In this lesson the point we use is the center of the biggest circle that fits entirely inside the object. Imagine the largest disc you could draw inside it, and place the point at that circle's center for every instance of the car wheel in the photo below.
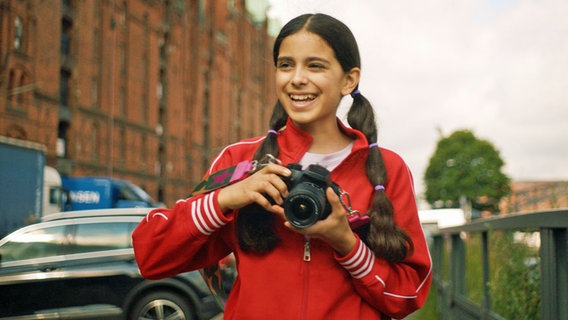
(161, 305)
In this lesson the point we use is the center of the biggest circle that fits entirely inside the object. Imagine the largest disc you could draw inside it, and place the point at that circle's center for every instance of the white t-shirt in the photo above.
(328, 161)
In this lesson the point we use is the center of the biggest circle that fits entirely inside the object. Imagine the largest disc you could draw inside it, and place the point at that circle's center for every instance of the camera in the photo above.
(306, 202)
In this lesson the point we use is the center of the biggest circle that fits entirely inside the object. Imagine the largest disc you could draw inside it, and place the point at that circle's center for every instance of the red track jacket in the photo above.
(280, 284)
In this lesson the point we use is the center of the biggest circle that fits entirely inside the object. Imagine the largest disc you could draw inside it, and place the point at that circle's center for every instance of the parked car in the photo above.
(80, 264)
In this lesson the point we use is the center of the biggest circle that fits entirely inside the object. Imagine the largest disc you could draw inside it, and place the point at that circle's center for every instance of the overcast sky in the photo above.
(496, 67)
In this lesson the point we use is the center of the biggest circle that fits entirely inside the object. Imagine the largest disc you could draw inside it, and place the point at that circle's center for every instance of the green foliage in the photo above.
(515, 278)
(473, 266)
(465, 166)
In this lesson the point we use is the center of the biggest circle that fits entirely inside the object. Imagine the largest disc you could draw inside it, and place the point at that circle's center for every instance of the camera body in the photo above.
(307, 203)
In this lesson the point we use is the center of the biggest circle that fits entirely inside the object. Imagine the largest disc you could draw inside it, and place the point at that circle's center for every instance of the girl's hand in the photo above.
(334, 229)
(258, 188)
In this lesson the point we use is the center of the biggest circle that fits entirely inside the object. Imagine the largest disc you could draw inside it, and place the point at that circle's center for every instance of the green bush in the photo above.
(514, 277)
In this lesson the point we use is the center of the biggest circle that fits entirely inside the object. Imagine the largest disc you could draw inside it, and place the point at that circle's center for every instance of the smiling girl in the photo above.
(367, 260)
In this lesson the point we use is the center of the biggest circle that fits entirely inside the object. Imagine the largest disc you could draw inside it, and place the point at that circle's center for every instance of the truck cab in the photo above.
(52, 192)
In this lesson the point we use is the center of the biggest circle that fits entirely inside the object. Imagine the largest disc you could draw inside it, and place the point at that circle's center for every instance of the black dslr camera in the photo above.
(306, 202)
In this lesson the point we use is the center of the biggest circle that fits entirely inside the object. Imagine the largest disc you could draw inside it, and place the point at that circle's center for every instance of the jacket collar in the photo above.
(294, 143)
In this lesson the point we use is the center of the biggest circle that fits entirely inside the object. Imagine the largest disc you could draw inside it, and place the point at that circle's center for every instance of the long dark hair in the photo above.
(385, 238)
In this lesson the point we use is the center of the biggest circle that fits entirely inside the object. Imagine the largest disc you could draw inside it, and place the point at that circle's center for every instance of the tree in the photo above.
(464, 167)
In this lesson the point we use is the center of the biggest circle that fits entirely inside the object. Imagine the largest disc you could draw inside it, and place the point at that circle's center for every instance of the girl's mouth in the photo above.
(302, 98)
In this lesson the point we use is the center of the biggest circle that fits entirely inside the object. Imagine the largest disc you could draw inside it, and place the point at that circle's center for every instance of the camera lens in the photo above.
(304, 205)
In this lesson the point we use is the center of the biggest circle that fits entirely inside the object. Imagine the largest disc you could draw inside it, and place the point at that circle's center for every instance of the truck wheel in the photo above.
(161, 305)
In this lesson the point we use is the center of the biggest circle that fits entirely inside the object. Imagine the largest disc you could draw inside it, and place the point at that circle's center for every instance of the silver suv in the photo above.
(81, 265)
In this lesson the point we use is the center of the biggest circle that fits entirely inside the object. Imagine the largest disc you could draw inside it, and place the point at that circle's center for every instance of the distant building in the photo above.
(147, 91)
(434, 219)
(529, 196)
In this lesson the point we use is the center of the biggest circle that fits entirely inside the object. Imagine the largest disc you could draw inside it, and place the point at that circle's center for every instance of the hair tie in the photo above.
(355, 93)
(379, 187)
(372, 145)
(273, 132)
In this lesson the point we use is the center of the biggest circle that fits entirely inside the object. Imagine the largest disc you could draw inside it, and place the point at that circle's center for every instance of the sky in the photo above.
(496, 67)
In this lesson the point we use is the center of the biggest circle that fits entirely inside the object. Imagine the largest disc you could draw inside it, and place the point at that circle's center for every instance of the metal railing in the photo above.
(449, 248)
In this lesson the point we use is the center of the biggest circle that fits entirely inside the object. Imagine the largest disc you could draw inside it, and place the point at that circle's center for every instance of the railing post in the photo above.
(485, 264)
(457, 272)
(458, 264)
(554, 270)
(438, 253)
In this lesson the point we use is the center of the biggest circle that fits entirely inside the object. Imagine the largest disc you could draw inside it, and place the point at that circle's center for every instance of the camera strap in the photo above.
(227, 176)
(223, 177)
(356, 219)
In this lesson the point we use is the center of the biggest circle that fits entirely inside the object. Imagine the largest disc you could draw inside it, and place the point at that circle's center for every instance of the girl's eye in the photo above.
(284, 65)
(316, 66)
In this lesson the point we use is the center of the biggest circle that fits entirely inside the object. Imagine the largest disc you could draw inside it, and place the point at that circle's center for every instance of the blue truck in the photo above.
(28, 188)
(86, 193)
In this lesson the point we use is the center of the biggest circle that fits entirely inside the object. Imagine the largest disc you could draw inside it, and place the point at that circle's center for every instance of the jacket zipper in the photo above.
(307, 253)
(306, 276)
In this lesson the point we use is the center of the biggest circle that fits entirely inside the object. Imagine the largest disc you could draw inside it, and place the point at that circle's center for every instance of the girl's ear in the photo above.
(351, 81)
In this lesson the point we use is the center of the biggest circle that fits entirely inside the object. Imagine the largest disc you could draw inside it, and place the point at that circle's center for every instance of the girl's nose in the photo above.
(299, 77)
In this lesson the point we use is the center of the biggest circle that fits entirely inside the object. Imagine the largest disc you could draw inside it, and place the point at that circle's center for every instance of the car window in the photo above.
(40, 243)
(101, 236)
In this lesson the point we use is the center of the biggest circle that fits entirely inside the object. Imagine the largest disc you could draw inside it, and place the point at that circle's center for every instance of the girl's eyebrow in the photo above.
(309, 59)
(318, 59)
(284, 58)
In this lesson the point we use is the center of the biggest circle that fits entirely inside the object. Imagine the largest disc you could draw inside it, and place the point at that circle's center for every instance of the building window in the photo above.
(11, 84)
(18, 87)
(65, 46)
(95, 92)
(122, 101)
(18, 33)
(64, 78)
(62, 131)
(124, 15)
(20, 94)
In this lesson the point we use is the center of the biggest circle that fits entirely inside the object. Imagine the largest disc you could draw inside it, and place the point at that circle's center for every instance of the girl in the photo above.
(336, 268)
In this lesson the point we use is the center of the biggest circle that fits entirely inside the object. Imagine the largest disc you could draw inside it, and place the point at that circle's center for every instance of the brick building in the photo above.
(528, 196)
(144, 90)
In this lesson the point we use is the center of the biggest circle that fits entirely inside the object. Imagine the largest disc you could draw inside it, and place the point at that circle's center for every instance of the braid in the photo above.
(270, 145)
(255, 226)
(385, 238)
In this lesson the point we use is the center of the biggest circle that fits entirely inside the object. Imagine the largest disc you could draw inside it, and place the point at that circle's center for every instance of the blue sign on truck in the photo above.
(85, 193)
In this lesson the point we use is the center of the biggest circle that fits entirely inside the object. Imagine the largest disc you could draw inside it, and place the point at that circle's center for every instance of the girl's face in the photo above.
(310, 81)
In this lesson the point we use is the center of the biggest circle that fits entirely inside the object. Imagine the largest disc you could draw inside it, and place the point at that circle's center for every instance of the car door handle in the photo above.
(48, 268)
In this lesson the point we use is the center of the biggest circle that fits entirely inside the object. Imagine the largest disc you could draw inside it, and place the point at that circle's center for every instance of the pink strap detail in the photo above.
(356, 221)
(241, 170)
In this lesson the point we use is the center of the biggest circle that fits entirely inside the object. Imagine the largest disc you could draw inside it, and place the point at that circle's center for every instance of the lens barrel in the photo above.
(305, 205)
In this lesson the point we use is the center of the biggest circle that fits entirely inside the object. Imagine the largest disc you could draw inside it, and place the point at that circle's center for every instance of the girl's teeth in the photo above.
(302, 97)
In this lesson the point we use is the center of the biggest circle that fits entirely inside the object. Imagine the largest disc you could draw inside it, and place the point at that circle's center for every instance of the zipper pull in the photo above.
(307, 255)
